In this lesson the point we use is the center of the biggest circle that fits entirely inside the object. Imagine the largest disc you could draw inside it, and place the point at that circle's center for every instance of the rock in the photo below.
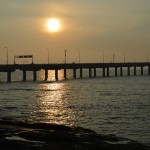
(16, 135)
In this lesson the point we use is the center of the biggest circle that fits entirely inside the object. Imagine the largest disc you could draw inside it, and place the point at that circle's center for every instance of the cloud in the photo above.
(89, 24)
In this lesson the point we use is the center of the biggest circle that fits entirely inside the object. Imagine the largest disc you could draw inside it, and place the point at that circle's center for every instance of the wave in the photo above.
(28, 89)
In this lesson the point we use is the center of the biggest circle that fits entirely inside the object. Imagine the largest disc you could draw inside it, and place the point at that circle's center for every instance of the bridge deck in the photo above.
(32, 67)
(74, 66)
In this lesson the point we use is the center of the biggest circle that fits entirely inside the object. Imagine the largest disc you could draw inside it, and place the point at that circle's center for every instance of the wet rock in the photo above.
(16, 135)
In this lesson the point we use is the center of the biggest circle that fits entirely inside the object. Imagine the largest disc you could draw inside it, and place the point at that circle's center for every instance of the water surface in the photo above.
(114, 105)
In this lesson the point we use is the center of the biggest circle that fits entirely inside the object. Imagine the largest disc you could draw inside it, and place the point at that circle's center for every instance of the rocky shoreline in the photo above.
(16, 135)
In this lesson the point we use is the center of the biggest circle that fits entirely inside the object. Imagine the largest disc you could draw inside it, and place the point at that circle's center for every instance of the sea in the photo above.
(107, 105)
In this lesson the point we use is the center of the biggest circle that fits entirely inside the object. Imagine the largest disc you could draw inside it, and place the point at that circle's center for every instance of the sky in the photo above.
(91, 30)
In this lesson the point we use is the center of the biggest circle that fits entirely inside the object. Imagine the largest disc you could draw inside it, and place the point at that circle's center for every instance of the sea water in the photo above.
(108, 105)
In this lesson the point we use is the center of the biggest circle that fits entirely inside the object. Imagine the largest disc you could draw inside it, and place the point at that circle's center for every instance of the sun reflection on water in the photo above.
(51, 75)
(53, 105)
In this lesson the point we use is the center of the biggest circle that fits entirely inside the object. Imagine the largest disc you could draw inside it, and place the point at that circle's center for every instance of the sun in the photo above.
(53, 25)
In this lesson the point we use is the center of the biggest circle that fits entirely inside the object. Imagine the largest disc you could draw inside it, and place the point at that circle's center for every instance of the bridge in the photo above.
(9, 68)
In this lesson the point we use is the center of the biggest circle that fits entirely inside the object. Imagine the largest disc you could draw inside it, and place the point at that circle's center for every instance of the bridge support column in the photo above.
(81, 73)
(46, 74)
(116, 73)
(74, 73)
(107, 71)
(128, 71)
(34, 75)
(120, 71)
(95, 72)
(24, 75)
(56, 74)
(134, 70)
(148, 70)
(9, 76)
(65, 73)
(142, 70)
(104, 72)
(90, 72)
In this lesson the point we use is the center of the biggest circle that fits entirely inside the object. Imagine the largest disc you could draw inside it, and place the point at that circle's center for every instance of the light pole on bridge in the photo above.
(48, 55)
(65, 56)
(124, 57)
(6, 54)
(103, 56)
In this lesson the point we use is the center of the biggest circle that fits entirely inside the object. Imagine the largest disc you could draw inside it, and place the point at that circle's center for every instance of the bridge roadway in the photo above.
(74, 66)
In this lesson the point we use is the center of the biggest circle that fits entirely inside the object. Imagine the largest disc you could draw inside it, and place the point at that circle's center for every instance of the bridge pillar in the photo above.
(116, 73)
(81, 73)
(24, 75)
(103, 71)
(56, 74)
(107, 71)
(148, 70)
(65, 73)
(120, 71)
(90, 72)
(74, 73)
(46, 74)
(95, 72)
(34, 75)
(134, 70)
(142, 70)
(128, 71)
(9, 76)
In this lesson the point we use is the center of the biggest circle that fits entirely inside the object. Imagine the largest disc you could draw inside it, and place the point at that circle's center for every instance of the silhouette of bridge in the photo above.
(118, 69)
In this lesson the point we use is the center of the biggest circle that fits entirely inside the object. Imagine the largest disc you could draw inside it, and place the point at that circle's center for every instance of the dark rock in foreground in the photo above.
(15, 135)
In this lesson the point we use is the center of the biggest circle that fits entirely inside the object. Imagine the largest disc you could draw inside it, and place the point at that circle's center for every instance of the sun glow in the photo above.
(53, 25)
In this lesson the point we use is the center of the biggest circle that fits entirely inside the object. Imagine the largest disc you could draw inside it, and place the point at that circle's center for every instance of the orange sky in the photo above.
(92, 28)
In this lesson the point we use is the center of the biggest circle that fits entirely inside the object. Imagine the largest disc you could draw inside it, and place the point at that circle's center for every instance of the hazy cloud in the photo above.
(88, 24)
